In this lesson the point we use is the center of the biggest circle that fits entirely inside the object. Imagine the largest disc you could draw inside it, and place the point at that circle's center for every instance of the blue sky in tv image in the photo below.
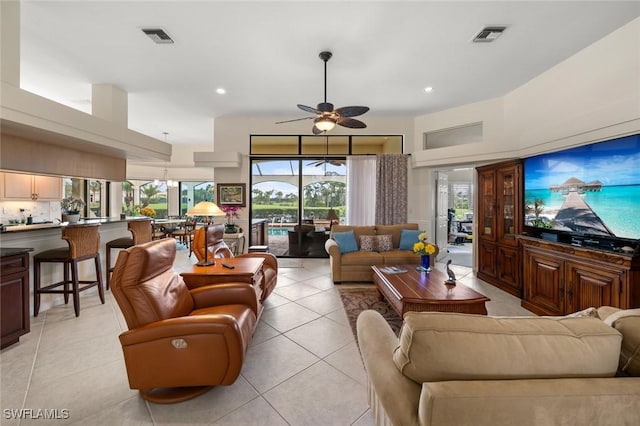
(615, 164)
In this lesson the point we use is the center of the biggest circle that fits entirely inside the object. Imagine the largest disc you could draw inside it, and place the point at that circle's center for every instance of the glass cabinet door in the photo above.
(486, 182)
(507, 204)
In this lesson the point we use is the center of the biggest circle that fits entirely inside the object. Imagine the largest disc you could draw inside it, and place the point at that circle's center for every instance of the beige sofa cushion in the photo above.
(358, 231)
(395, 231)
(627, 322)
(437, 346)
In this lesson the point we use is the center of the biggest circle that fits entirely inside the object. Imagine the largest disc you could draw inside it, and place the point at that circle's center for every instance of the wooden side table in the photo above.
(245, 269)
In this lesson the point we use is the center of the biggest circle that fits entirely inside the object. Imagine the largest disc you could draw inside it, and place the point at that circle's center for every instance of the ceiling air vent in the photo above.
(488, 34)
(158, 35)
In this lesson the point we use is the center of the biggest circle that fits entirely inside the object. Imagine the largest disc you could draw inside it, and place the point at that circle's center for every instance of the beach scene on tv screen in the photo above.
(590, 190)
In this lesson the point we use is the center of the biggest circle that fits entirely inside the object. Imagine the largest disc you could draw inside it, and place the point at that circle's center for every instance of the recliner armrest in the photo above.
(225, 294)
(213, 324)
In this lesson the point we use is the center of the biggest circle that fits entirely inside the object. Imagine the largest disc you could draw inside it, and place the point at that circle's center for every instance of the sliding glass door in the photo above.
(300, 199)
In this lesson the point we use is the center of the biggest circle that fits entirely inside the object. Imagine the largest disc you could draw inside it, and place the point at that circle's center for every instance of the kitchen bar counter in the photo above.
(46, 236)
(50, 225)
(11, 251)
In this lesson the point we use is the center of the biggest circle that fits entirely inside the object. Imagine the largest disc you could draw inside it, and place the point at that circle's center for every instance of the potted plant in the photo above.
(231, 213)
(71, 207)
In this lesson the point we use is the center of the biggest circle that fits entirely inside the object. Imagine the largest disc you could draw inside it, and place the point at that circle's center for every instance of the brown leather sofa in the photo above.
(219, 249)
(180, 342)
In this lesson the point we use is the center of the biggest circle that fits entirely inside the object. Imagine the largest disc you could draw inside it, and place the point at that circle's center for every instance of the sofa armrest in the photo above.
(335, 259)
(225, 294)
(531, 402)
(398, 397)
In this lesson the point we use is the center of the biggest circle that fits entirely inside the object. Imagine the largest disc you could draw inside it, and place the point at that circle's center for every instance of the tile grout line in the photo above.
(33, 364)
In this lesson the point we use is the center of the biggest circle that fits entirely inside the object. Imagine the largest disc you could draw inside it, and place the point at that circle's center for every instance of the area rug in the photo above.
(358, 299)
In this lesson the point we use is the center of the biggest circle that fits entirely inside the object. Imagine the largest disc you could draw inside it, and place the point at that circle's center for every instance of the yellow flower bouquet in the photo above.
(148, 211)
(422, 246)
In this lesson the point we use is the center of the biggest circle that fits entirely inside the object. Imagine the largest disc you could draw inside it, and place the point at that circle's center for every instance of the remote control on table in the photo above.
(228, 265)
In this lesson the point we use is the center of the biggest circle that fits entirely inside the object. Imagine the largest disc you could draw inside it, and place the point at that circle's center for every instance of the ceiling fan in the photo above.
(326, 117)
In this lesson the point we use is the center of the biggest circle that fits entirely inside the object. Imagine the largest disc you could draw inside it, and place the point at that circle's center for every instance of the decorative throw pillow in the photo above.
(589, 312)
(408, 237)
(378, 243)
(346, 241)
(385, 242)
(368, 243)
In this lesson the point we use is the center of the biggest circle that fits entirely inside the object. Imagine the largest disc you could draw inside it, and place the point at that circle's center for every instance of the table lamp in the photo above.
(205, 208)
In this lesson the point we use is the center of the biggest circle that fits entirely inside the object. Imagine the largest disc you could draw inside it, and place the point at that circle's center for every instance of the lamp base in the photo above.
(206, 263)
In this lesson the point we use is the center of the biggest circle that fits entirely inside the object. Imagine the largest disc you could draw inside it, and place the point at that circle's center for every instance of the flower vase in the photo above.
(425, 263)
(73, 218)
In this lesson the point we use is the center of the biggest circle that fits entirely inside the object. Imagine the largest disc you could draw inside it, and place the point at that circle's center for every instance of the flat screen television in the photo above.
(590, 191)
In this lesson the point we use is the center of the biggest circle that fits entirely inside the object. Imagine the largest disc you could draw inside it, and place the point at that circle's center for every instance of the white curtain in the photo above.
(361, 190)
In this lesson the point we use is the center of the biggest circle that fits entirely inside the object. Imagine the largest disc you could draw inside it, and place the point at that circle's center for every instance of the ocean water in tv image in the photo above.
(617, 206)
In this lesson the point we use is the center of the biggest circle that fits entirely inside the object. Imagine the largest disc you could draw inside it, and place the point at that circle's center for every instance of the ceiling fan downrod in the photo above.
(325, 56)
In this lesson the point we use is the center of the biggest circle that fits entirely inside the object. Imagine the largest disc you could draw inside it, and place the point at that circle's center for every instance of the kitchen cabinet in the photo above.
(18, 187)
(559, 279)
(14, 295)
(499, 221)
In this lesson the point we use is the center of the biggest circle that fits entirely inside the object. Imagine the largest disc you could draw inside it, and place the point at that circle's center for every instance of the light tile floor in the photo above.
(302, 367)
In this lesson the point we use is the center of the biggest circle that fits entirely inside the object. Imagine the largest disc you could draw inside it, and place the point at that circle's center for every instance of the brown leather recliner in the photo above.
(180, 342)
(219, 249)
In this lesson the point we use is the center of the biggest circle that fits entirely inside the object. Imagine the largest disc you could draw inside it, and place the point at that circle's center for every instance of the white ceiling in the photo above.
(265, 54)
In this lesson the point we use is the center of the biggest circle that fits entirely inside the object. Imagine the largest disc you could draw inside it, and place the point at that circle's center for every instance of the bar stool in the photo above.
(84, 244)
(141, 231)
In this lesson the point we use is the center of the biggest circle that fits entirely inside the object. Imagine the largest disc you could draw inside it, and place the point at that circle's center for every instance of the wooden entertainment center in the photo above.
(560, 278)
(551, 277)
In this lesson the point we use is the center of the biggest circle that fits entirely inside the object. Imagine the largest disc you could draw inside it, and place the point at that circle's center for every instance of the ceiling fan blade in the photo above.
(308, 109)
(295, 119)
(351, 123)
(351, 111)
(315, 130)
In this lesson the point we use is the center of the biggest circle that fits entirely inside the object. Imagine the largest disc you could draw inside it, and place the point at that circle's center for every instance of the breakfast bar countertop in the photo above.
(12, 251)
(50, 225)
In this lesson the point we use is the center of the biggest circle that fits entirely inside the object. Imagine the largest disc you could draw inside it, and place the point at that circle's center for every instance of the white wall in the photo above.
(592, 96)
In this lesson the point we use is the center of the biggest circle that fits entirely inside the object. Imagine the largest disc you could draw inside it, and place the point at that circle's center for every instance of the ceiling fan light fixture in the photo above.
(324, 124)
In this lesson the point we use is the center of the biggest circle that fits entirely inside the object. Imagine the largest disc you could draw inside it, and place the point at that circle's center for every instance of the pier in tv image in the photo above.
(588, 190)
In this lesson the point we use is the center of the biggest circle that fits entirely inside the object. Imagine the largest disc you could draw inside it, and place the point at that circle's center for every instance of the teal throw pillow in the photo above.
(346, 241)
(408, 237)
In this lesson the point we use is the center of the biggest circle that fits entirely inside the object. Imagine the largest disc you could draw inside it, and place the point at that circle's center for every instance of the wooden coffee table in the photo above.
(420, 292)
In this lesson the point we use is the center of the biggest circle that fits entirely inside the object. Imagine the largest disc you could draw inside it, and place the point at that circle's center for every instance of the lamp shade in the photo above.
(331, 215)
(205, 208)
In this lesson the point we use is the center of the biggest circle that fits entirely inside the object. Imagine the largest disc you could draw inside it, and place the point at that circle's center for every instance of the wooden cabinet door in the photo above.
(487, 207)
(47, 188)
(487, 258)
(17, 186)
(508, 267)
(544, 278)
(589, 285)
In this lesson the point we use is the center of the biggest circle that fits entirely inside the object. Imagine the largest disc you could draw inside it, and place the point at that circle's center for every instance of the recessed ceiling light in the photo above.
(428, 89)
(220, 91)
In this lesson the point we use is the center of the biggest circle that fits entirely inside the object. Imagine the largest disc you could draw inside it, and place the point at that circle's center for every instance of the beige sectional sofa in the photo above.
(356, 266)
(459, 369)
